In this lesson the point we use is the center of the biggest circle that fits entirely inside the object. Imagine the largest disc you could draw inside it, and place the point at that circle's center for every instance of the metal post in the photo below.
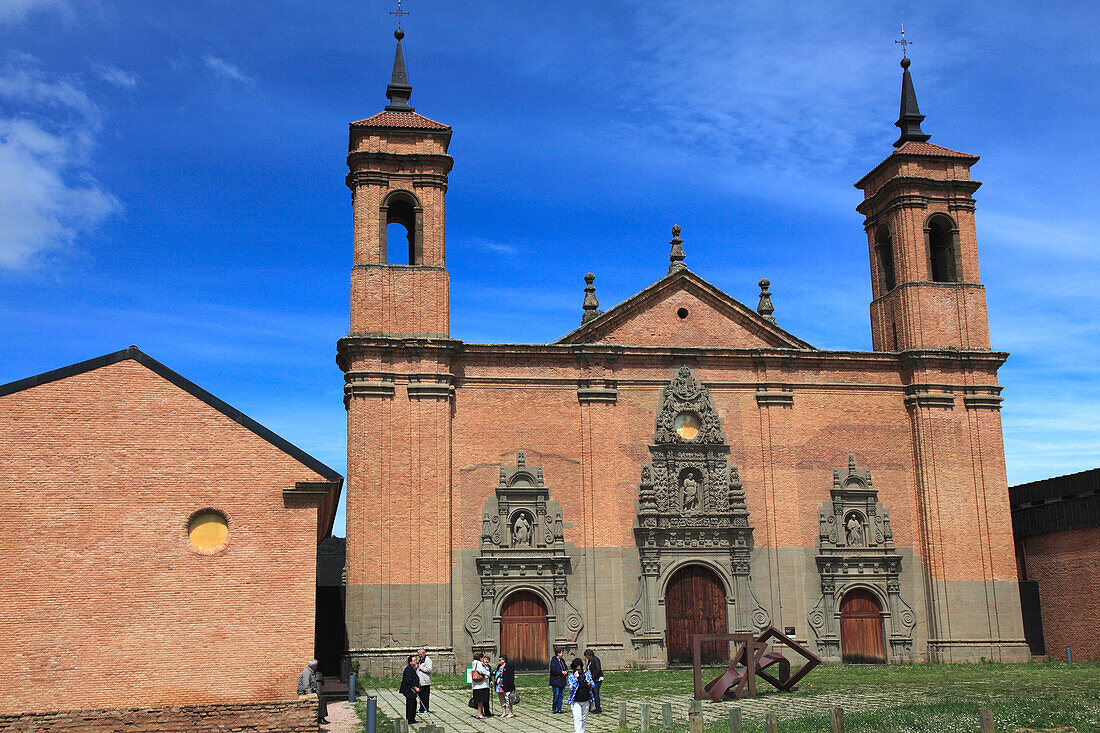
(836, 720)
(666, 716)
(735, 720)
(985, 717)
(622, 713)
(372, 714)
(1069, 656)
(645, 717)
(771, 722)
(351, 687)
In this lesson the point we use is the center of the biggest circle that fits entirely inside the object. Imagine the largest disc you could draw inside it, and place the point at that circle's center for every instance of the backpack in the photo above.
(582, 694)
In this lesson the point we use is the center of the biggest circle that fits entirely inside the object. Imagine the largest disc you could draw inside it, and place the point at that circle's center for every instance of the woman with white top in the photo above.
(480, 679)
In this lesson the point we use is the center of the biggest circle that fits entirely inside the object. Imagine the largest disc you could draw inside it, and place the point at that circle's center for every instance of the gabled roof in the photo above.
(187, 386)
(752, 323)
(401, 120)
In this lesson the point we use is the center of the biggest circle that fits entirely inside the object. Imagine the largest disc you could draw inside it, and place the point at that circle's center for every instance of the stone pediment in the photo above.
(684, 310)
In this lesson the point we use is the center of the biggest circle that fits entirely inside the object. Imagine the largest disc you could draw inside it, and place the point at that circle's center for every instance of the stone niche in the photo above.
(691, 511)
(523, 548)
(856, 550)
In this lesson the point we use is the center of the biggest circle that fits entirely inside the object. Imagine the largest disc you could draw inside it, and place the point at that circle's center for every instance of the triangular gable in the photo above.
(187, 386)
(684, 310)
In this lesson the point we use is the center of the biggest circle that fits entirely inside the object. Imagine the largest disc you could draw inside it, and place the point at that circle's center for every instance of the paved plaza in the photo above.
(450, 709)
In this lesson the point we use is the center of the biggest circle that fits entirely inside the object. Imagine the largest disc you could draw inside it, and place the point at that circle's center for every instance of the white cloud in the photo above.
(115, 76)
(14, 11)
(48, 197)
(226, 69)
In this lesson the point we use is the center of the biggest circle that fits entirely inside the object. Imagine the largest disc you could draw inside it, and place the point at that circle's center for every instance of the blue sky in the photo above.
(172, 176)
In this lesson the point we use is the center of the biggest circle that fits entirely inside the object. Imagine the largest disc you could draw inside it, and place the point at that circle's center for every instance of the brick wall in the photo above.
(105, 603)
(1064, 564)
(285, 717)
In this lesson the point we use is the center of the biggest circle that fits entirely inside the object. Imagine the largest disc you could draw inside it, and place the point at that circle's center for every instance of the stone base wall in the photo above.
(298, 716)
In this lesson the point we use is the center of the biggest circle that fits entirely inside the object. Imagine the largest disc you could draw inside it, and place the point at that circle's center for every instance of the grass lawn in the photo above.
(887, 699)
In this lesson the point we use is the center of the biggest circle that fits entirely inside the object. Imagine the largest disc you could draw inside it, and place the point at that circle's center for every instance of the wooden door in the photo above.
(861, 638)
(524, 631)
(695, 603)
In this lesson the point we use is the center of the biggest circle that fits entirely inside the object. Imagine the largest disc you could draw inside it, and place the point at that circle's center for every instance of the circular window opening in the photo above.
(208, 530)
(683, 313)
(686, 425)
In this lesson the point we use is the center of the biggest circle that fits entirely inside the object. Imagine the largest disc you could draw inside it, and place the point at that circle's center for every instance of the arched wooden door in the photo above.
(861, 638)
(524, 631)
(695, 603)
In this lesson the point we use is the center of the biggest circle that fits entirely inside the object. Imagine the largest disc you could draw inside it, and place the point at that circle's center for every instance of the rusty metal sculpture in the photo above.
(751, 654)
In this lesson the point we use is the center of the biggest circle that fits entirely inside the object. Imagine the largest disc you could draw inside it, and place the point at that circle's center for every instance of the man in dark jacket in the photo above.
(596, 670)
(410, 688)
(558, 670)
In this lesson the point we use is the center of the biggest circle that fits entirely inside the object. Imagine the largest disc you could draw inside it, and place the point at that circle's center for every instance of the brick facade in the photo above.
(1064, 565)
(432, 421)
(106, 602)
(281, 717)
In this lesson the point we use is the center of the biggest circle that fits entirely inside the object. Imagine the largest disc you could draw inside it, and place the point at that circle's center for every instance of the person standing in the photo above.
(310, 682)
(480, 679)
(595, 669)
(557, 679)
(580, 694)
(410, 688)
(505, 684)
(424, 672)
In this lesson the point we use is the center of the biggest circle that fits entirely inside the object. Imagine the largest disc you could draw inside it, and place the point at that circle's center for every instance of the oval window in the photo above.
(208, 530)
(687, 425)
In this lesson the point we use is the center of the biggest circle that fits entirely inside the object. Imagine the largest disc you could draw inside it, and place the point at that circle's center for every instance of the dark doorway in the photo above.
(695, 603)
(861, 640)
(524, 631)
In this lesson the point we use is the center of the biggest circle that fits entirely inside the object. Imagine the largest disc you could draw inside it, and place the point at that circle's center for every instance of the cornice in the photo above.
(915, 190)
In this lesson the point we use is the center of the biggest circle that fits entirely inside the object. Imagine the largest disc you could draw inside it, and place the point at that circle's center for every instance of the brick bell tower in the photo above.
(398, 387)
(919, 210)
(928, 305)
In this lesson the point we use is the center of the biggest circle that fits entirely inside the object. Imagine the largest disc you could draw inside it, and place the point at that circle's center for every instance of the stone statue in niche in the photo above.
(691, 494)
(854, 531)
(521, 531)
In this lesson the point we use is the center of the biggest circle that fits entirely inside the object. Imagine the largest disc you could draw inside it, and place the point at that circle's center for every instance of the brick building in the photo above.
(160, 551)
(678, 462)
(1056, 524)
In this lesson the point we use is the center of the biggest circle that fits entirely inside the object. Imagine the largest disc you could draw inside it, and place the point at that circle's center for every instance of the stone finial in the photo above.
(521, 458)
(676, 256)
(851, 464)
(591, 305)
(765, 307)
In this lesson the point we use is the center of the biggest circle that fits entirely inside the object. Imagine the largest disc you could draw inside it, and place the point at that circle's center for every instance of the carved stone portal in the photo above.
(691, 509)
(522, 548)
(856, 550)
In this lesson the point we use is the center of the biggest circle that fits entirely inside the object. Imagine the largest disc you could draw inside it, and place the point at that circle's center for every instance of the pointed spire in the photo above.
(676, 256)
(591, 305)
(909, 118)
(765, 308)
(399, 90)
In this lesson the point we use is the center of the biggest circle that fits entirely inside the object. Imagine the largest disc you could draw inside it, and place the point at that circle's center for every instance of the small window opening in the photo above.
(683, 313)
(941, 250)
(401, 233)
(884, 256)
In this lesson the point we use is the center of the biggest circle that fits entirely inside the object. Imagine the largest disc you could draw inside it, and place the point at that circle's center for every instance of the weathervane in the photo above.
(399, 13)
(903, 42)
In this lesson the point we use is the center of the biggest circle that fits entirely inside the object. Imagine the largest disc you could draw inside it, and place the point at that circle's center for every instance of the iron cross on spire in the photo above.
(400, 13)
(903, 42)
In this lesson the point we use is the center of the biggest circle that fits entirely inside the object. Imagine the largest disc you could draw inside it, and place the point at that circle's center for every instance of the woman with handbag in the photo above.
(505, 685)
(480, 679)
